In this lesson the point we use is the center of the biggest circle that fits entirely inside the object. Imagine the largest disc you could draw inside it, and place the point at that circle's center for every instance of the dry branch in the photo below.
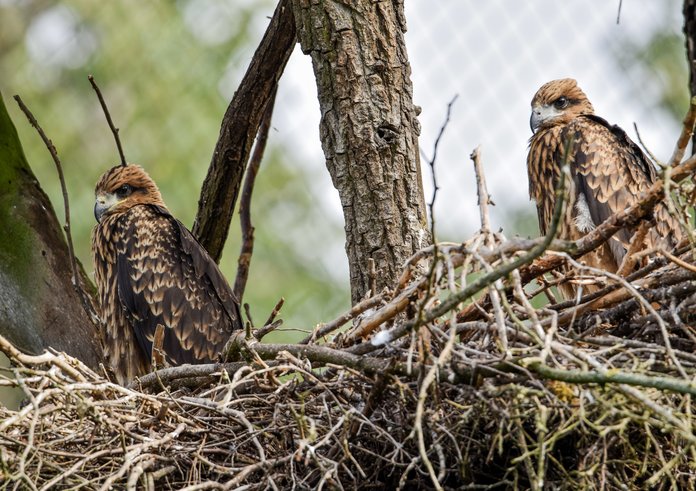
(244, 260)
(86, 299)
(239, 127)
(107, 114)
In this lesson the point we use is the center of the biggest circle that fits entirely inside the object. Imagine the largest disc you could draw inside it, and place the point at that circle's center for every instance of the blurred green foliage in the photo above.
(659, 58)
(162, 67)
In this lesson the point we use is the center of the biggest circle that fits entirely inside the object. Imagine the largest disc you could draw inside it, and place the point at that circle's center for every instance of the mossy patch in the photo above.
(16, 237)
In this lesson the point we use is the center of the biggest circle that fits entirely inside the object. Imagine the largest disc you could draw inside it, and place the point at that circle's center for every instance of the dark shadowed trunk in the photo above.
(369, 130)
(38, 304)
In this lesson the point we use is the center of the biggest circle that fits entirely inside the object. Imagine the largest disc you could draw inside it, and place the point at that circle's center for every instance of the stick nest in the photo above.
(461, 375)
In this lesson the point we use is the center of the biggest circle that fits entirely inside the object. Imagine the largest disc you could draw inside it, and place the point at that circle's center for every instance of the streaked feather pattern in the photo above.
(150, 270)
(609, 172)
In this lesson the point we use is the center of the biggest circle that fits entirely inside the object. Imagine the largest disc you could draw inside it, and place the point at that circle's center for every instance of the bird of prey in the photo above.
(609, 172)
(150, 271)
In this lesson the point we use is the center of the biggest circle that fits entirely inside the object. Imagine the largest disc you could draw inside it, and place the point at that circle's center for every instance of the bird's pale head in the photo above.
(558, 102)
(123, 187)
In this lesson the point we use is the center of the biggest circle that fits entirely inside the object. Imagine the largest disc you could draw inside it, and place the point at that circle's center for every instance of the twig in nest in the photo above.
(154, 380)
(247, 311)
(252, 170)
(433, 264)
(483, 197)
(261, 332)
(646, 305)
(637, 243)
(275, 311)
(77, 284)
(677, 261)
(671, 384)
(483, 200)
(429, 378)
(372, 274)
(157, 348)
(431, 163)
(325, 329)
(114, 130)
(271, 324)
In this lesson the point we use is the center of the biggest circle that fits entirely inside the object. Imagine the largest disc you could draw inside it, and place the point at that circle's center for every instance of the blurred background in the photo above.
(169, 68)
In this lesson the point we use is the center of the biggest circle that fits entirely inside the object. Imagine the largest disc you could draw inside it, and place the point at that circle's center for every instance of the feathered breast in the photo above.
(150, 270)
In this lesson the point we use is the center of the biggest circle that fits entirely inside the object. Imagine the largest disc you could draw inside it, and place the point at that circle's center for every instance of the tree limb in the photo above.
(247, 249)
(239, 127)
(614, 377)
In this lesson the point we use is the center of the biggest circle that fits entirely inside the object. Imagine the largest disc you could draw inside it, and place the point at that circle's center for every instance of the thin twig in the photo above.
(645, 147)
(483, 197)
(324, 329)
(244, 260)
(114, 130)
(87, 304)
(433, 265)
(276, 310)
(431, 163)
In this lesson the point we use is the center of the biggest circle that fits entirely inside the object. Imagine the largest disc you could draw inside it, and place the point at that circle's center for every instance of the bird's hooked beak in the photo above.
(542, 114)
(102, 204)
(534, 120)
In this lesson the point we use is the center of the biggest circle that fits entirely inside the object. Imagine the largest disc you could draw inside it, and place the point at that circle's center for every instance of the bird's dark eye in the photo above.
(124, 190)
(560, 103)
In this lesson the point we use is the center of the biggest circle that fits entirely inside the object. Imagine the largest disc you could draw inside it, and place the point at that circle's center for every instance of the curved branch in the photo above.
(239, 127)
(247, 250)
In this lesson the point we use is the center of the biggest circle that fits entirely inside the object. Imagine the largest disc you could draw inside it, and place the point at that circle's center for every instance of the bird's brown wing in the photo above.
(609, 170)
(165, 277)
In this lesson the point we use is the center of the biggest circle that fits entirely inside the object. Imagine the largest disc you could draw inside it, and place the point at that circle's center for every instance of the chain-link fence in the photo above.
(169, 68)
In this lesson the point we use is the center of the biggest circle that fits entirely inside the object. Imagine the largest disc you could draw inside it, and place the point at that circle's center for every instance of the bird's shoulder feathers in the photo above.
(165, 276)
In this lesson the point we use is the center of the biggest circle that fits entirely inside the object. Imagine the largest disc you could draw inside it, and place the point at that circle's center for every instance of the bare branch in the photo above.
(483, 197)
(239, 127)
(247, 249)
(77, 285)
(276, 310)
(114, 130)
(325, 329)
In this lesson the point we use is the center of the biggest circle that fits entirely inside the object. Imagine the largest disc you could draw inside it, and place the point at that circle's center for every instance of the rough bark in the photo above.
(239, 127)
(689, 12)
(369, 130)
(38, 305)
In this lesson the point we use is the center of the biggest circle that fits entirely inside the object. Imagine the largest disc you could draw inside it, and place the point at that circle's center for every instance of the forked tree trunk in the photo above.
(369, 130)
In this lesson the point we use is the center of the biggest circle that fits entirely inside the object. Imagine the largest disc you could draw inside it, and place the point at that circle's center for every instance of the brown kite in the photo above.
(609, 172)
(150, 271)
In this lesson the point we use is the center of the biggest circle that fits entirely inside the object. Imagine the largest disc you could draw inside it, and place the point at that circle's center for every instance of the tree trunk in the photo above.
(689, 12)
(369, 130)
(39, 306)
